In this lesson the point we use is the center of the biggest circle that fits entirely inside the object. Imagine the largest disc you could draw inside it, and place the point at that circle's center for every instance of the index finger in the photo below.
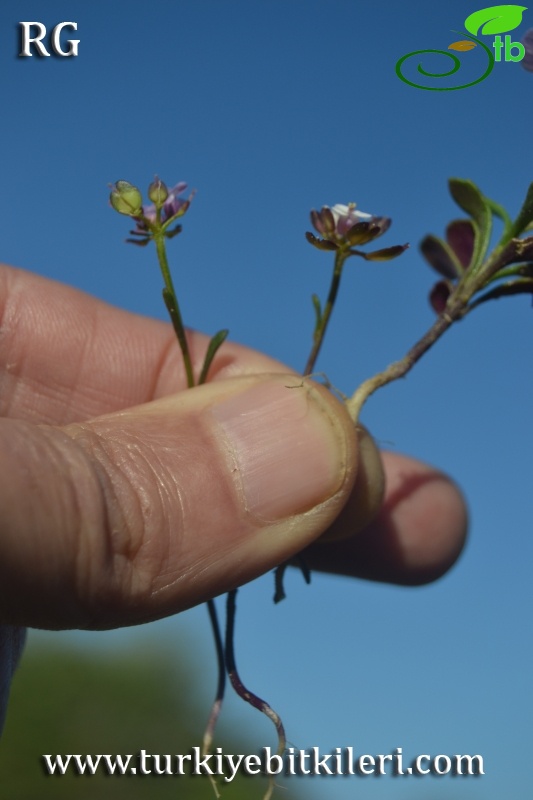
(66, 356)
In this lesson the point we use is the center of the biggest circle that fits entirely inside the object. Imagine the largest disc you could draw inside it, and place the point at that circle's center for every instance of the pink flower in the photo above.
(343, 226)
(172, 205)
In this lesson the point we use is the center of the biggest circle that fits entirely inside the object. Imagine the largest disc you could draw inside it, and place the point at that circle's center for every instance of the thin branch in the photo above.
(240, 688)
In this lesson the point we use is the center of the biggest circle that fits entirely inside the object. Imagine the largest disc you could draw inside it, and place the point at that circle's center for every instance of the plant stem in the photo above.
(171, 302)
(320, 330)
(241, 689)
(400, 368)
(221, 684)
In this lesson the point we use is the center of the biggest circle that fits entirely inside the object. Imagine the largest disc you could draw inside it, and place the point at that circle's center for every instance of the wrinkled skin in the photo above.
(66, 359)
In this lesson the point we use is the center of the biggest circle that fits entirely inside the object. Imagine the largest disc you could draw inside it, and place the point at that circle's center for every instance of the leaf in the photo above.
(460, 235)
(438, 297)
(212, 348)
(468, 197)
(525, 216)
(494, 19)
(463, 45)
(515, 271)
(523, 286)
(500, 212)
(318, 310)
(441, 257)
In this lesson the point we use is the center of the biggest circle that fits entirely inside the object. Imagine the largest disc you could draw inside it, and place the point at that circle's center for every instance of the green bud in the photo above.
(126, 199)
(157, 192)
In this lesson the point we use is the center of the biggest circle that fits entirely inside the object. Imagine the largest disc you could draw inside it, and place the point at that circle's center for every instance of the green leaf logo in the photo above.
(495, 19)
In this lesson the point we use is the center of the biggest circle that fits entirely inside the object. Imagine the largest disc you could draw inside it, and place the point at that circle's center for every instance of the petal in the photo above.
(339, 210)
(149, 212)
(178, 188)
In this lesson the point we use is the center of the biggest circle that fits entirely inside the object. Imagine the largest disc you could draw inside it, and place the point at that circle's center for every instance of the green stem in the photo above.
(320, 330)
(171, 302)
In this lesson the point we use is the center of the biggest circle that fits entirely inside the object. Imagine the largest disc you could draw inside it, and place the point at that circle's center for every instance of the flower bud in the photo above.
(126, 199)
(157, 192)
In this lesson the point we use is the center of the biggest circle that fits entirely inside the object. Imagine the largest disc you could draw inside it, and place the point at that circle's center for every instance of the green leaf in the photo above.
(525, 217)
(518, 270)
(213, 346)
(318, 310)
(468, 197)
(494, 19)
(521, 286)
(500, 212)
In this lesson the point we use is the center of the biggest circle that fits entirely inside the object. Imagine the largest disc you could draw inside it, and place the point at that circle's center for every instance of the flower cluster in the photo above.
(166, 207)
(343, 227)
(167, 200)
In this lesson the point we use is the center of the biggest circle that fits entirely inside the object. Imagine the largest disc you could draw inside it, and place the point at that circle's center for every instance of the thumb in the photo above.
(142, 513)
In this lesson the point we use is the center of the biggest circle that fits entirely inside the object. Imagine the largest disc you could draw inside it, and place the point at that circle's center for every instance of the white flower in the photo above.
(346, 217)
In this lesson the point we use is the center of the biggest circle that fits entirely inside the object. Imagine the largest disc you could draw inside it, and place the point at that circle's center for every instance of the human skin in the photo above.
(126, 498)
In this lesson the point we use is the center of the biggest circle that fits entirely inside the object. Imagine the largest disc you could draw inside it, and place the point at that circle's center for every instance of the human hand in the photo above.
(126, 499)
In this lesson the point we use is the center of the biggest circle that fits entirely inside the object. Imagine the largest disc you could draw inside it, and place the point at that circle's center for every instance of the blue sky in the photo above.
(270, 108)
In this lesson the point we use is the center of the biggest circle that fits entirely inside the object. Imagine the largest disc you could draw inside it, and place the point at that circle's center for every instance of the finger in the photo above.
(66, 356)
(417, 536)
(142, 513)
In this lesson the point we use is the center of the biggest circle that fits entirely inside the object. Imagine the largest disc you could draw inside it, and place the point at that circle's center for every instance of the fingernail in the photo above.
(286, 448)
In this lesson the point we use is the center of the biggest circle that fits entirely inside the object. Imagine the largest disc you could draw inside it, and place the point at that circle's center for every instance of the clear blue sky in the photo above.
(270, 108)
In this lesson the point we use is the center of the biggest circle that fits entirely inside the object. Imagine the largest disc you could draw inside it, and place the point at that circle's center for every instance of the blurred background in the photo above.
(271, 108)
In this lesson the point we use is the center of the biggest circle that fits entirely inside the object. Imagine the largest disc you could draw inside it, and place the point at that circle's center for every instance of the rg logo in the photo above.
(28, 40)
